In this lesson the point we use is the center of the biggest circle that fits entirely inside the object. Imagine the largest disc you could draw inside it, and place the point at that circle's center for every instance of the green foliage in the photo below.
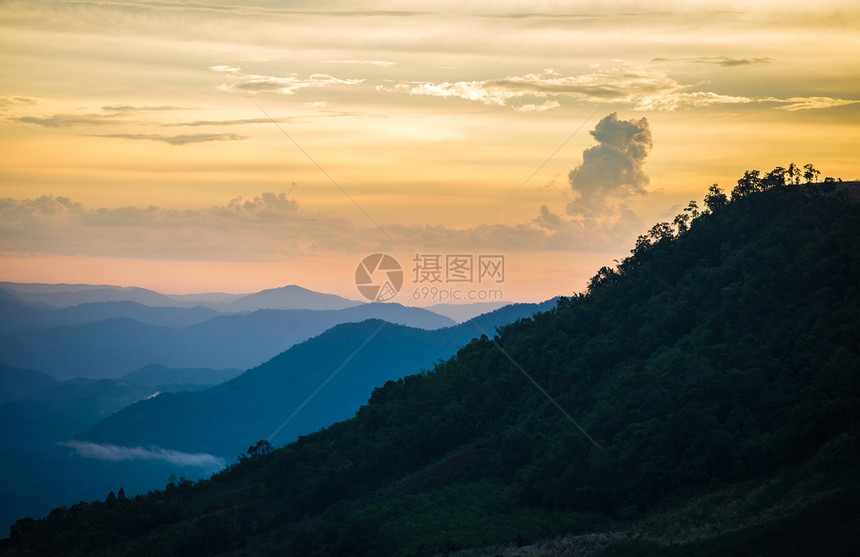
(715, 355)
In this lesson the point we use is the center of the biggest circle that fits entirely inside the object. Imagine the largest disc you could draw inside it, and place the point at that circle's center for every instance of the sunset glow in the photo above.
(238, 146)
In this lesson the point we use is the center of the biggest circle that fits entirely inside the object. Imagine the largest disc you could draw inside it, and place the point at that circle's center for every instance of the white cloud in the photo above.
(362, 62)
(612, 170)
(546, 105)
(286, 85)
(673, 101)
(114, 453)
(603, 84)
(810, 103)
(642, 87)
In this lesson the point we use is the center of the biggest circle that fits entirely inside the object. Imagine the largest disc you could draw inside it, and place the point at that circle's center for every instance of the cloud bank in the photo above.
(642, 87)
(114, 453)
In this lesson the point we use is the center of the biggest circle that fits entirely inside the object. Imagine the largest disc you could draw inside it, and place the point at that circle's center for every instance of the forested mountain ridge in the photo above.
(723, 357)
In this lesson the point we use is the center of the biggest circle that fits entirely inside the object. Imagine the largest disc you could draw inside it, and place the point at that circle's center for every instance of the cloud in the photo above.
(810, 103)
(267, 227)
(177, 139)
(643, 88)
(724, 61)
(132, 108)
(362, 62)
(623, 84)
(287, 85)
(547, 105)
(14, 100)
(67, 120)
(240, 122)
(113, 114)
(673, 101)
(114, 453)
(611, 171)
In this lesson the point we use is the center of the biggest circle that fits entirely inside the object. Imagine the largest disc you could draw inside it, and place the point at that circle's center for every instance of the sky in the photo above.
(236, 146)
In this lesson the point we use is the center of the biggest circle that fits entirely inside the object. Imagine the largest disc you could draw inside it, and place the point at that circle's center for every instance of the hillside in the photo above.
(701, 399)
(15, 381)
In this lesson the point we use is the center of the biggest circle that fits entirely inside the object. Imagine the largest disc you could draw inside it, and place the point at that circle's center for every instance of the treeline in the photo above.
(723, 350)
(751, 182)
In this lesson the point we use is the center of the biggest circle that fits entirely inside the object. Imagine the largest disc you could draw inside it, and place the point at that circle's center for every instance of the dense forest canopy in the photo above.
(719, 360)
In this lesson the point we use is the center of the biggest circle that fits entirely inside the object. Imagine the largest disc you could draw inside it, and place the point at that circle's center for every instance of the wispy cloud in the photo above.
(362, 62)
(810, 103)
(724, 61)
(546, 105)
(603, 84)
(67, 120)
(177, 139)
(238, 122)
(12, 101)
(285, 85)
(112, 114)
(114, 453)
(131, 108)
(673, 101)
(643, 88)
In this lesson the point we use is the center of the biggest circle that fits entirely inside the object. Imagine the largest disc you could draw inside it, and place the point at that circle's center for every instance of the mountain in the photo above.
(286, 297)
(310, 386)
(40, 472)
(114, 347)
(203, 298)
(14, 381)
(155, 375)
(701, 399)
(464, 312)
(65, 295)
(19, 317)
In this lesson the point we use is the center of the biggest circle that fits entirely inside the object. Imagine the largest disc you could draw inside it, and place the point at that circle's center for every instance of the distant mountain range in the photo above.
(115, 346)
(67, 295)
(311, 385)
(122, 338)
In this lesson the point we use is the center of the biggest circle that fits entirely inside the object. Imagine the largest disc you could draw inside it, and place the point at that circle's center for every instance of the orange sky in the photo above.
(137, 145)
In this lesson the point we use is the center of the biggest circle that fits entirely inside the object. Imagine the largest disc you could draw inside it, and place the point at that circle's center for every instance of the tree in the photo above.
(661, 231)
(749, 183)
(810, 174)
(604, 277)
(680, 222)
(693, 209)
(793, 174)
(716, 199)
(261, 447)
(774, 178)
